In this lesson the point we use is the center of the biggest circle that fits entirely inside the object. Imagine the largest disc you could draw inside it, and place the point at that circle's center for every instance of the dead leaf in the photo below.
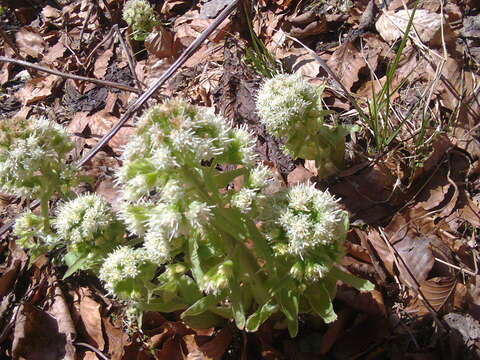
(30, 42)
(346, 63)
(116, 338)
(427, 24)
(37, 337)
(90, 314)
(298, 176)
(38, 89)
(160, 43)
(54, 53)
(101, 65)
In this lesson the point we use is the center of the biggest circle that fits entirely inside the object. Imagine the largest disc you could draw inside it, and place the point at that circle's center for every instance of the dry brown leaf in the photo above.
(30, 42)
(38, 89)
(299, 175)
(54, 53)
(8, 278)
(160, 43)
(60, 311)
(90, 314)
(101, 65)
(437, 292)
(36, 336)
(216, 348)
(117, 339)
(346, 63)
(428, 25)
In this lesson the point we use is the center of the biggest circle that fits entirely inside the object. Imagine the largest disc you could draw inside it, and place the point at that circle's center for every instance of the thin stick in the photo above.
(145, 96)
(130, 58)
(69, 76)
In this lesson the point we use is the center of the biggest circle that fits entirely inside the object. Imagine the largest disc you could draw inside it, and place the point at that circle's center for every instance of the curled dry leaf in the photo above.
(38, 336)
(101, 65)
(38, 89)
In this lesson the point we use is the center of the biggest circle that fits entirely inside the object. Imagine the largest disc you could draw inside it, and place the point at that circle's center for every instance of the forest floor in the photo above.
(411, 183)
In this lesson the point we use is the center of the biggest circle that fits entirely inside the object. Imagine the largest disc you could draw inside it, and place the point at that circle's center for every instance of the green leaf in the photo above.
(162, 306)
(238, 306)
(321, 302)
(204, 321)
(75, 266)
(200, 306)
(356, 282)
(188, 289)
(260, 316)
(289, 306)
(224, 178)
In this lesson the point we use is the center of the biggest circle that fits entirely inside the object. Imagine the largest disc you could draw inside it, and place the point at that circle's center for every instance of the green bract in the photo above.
(290, 109)
(220, 253)
(141, 17)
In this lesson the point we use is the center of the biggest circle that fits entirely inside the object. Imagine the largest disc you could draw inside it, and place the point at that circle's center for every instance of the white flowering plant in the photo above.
(89, 229)
(33, 154)
(290, 108)
(141, 17)
(211, 251)
(194, 242)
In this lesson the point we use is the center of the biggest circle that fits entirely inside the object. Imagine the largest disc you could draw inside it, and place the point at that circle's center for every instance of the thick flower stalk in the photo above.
(141, 17)
(290, 108)
(33, 156)
(89, 228)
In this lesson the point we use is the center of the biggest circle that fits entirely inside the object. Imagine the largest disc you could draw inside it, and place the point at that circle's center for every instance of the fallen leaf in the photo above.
(36, 336)
(101, 65)
(346, 63)
(38, 89)
(160, 43)
(30, 42)
(428, 25)
(90, 314)
(298, 176)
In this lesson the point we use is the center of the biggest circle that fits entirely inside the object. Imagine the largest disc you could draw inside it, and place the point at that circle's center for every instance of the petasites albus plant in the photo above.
(209, 250)
(291, 110)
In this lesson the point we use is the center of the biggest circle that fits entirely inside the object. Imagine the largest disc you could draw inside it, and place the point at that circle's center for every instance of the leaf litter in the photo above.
(415, 208)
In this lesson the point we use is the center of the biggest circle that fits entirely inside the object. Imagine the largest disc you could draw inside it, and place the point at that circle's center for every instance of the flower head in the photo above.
(141, 17)
(124, 264)
(88, 225)
(31, 152)
(287, 102)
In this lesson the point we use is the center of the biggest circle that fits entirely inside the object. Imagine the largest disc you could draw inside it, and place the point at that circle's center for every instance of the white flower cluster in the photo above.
(122, 264)
(161, 163)
(311, 227)
(32, 151)
(286, 103)
(86, 223)
(141, 17)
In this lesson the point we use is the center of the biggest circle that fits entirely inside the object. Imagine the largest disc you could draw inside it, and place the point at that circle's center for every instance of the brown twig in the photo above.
(146, 95)
(69, 76)
(130, 58)
(85, 23)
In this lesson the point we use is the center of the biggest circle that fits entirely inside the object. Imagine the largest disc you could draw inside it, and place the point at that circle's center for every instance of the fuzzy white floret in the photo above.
(243, 199)
(198, 214)
(123, 263)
